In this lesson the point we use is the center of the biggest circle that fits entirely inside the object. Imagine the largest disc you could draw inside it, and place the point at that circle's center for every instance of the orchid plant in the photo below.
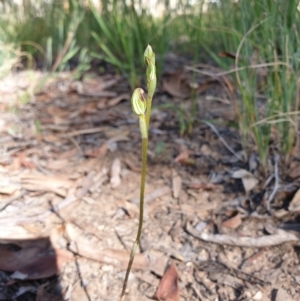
(141, 105)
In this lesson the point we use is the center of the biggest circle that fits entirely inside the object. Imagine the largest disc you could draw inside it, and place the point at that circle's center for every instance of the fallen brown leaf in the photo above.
(177, 86)
(234, 221)
(168, 289)
(184, 158)
(256, 255)
(248, 179)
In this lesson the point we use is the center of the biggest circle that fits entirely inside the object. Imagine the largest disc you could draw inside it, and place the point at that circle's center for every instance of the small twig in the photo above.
(276, 186)
(245, 241)
(223, 140)
(268, 181)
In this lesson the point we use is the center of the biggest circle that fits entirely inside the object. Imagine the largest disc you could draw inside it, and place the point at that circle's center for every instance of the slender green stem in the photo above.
(142, 194)
(142, 108)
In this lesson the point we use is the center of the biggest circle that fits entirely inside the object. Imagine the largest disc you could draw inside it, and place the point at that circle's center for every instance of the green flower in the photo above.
(149, 57)
(138, 102)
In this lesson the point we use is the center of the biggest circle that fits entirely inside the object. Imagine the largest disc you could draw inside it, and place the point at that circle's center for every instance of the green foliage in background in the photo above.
(45, 30)
(122, 35)
(264, 36)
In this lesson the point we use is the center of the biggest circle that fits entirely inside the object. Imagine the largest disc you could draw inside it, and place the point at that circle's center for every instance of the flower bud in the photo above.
(138, 102)
(149, 56)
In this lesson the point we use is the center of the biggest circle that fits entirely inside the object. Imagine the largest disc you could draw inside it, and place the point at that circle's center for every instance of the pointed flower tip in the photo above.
(148, 51)
(138, 102)
(149, 55)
